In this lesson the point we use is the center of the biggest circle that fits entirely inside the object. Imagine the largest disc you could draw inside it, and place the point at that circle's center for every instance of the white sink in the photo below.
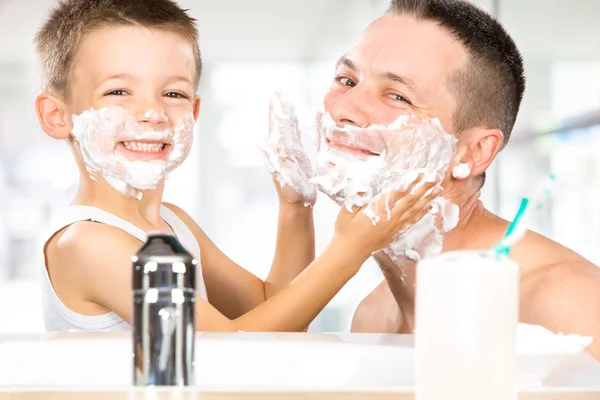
(262, 361)
(233, 360)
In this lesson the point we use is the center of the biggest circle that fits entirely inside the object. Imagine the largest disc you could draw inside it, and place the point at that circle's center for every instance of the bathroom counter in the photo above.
(396, 394)
(254, 366)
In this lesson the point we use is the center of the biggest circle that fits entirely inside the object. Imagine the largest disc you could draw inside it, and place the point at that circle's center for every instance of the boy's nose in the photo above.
(152, 115)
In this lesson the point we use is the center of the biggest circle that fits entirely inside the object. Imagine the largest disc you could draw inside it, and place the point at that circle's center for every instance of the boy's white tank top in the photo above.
(57, 316)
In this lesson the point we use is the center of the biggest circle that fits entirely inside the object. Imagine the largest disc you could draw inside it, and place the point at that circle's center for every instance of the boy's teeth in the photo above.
(144, 147)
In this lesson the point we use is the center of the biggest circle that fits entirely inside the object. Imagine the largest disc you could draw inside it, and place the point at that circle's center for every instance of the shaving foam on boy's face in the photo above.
(357, 164)
(132, 156)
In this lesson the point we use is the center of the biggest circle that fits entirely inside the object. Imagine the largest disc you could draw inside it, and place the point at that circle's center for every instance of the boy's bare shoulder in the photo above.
(89, 265)
(90, 236)
(90, 243)
(201, 237)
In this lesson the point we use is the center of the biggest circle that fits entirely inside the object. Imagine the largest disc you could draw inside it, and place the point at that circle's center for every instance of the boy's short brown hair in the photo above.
(59, 39)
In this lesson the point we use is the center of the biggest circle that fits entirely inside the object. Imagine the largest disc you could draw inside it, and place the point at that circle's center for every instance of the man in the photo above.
(449, 60)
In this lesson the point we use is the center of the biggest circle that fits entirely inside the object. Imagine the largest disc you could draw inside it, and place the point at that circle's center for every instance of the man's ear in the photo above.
(196, 109)
(476, 150)
(54, 116)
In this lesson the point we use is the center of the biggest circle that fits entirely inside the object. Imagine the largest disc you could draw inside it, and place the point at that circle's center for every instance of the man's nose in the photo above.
(353, 108)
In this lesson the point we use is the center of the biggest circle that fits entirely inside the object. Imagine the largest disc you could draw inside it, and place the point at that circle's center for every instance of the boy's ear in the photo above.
(53, 115)
(196, 110)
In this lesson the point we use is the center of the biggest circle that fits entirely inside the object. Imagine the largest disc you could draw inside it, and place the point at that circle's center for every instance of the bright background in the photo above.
(252, 48)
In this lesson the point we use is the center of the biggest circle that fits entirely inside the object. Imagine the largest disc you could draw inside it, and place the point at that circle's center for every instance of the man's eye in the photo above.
(397, 97)
(176, 95)
(346, 81)
(116, 93)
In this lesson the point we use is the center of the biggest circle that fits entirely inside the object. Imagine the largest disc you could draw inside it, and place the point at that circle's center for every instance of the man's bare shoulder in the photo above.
(561, 291)
(377, 312)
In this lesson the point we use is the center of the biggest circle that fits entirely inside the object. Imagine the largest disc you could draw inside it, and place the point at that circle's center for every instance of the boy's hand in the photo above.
(286, 156)
(397, 210)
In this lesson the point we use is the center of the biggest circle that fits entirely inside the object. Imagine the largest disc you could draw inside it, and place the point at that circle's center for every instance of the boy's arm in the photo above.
(232, 289)
(97, 259)
(295, 248)
(100, 259)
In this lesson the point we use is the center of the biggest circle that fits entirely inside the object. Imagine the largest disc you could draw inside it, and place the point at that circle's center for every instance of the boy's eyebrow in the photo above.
(180, 78)
(131, 77)
(117, 76)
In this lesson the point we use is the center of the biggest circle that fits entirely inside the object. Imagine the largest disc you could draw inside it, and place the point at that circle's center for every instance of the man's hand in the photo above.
(286, 156)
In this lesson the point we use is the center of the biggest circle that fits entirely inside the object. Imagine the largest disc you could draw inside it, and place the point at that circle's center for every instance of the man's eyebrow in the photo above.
(347, 62)
(403, 80)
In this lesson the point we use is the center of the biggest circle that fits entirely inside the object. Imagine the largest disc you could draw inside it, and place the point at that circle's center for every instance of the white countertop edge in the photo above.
(325, 390)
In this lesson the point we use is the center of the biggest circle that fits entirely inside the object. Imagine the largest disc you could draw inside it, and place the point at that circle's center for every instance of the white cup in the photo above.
(467, 311)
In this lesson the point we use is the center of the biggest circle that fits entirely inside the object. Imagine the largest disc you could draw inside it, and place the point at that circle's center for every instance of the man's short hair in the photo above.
(58, 41)
(490, 88)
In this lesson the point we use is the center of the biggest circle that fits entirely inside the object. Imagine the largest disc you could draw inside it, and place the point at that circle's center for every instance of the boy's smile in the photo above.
(132, 100)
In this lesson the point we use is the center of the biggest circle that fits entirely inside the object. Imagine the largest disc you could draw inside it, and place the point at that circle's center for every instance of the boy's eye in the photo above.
(116, 93)
(176, 95)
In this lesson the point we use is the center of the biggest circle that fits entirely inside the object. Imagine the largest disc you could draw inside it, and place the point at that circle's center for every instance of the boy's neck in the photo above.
(101, 195)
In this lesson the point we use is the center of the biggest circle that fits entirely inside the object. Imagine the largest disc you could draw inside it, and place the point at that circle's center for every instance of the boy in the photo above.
(120, 78)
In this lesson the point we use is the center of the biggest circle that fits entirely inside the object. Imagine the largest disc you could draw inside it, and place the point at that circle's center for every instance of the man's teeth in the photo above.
(144, 147)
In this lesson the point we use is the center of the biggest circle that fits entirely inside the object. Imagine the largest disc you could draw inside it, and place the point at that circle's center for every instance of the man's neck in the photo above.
(401, 276)
(98, 193)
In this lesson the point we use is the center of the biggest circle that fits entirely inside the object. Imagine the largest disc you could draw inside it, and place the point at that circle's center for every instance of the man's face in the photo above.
(140, 84)
(399, 65)
(384, 109)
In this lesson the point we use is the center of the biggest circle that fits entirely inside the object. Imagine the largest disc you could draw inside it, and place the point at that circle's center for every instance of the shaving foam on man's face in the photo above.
(355, 164)
(400, 65)
(129, 155)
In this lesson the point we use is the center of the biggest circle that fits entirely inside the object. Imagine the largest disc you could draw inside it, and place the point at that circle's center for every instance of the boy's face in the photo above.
(132, 104)
(134, 68)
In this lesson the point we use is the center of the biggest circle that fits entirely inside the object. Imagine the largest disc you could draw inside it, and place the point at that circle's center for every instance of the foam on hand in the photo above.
(284, 152)
(98, 132)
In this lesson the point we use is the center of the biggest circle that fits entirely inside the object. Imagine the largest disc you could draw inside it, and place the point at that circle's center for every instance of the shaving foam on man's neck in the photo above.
(356, 164)
(102, 135)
